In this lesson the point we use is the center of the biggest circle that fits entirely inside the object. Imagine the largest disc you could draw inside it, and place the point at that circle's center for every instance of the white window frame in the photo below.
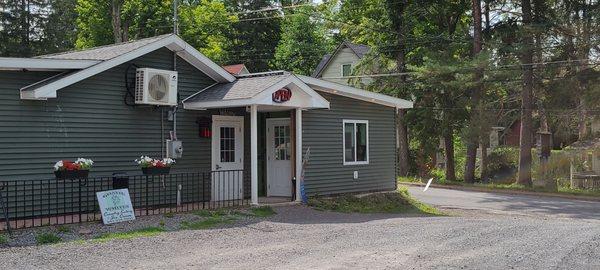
(350, 121)
(342, 70)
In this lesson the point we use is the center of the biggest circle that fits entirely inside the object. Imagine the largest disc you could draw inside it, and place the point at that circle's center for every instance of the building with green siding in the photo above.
(273, 126)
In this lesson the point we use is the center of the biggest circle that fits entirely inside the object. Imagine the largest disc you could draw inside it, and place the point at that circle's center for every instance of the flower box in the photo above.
(156, 170)
(71, 174)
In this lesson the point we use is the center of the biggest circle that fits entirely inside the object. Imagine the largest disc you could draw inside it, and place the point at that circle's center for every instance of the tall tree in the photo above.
(206, 25)
(254, 40)
(396, 14)
(473, 132)
(302, 42)
(525, 145)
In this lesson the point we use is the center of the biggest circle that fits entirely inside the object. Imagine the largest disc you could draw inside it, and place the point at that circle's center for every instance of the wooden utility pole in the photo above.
(526, 142)
(473, 134)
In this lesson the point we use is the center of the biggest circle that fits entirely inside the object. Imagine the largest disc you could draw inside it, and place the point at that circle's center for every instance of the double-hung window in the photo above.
(346, 70)
(356, 142)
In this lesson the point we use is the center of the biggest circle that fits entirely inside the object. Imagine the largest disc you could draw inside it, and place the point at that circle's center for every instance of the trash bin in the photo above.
(120, 180)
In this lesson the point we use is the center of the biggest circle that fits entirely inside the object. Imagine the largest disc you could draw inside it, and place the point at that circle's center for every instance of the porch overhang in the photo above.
(257, 90)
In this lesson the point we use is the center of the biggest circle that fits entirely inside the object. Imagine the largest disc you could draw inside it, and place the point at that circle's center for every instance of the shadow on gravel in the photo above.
(545, 206)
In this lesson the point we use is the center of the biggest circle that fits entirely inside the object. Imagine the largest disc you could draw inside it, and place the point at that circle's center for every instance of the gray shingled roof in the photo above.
(105, 52)
(358, 49)
(321, 65)
(242, 88)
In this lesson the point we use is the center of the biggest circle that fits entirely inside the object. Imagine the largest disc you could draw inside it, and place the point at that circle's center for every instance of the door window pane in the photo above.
(227, 141)
(281, 142)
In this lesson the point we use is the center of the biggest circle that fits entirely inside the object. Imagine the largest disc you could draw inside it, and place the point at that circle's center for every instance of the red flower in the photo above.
(70, 165)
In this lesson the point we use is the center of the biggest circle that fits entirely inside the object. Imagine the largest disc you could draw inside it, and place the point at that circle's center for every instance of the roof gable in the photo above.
(256, 89)
(125, 52)
(358, 49)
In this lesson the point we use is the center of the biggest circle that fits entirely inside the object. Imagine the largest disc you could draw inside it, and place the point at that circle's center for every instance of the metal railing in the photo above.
(33, 203)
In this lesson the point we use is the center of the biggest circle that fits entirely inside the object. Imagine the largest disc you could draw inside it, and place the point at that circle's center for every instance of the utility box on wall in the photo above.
(174, 149)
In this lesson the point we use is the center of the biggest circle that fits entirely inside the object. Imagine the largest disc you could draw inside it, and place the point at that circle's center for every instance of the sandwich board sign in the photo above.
(115, 206)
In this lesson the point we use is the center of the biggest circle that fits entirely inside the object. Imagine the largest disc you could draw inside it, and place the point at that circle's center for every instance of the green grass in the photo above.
(146, 232)
(47, 238)
(263, 211)
(3, 239)
(220, 217)
(169, 215)
(63, 229)
(390, 202)
(511, 186)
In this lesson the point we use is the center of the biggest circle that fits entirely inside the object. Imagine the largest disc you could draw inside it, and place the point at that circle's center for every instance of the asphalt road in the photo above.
(302, 238)
(508, 203)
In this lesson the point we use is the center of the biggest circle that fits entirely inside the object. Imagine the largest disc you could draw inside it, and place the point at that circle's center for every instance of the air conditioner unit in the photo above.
(155, 87)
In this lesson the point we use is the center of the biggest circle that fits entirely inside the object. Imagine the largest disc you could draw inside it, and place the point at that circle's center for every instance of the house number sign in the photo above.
(282, 95)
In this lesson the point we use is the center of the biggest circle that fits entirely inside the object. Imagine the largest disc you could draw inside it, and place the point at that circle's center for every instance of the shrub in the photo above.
(3, 239)
(503, 163)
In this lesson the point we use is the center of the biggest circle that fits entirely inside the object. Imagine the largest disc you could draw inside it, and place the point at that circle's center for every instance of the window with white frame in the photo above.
(356, 142)
(346, 70)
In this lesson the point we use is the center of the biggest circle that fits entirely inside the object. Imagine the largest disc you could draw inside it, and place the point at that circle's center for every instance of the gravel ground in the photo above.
(90, 230)
(301, 238)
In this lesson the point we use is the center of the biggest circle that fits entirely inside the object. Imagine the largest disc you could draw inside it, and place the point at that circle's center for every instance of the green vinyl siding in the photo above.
(322, 132)
(89, 119)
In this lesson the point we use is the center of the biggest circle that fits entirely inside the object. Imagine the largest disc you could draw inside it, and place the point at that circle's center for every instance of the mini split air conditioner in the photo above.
(155, 87)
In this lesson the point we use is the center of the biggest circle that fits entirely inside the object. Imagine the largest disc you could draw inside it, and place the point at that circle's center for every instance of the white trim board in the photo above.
(352, 92)
(172, 42)
(13, 63)
(355, 162)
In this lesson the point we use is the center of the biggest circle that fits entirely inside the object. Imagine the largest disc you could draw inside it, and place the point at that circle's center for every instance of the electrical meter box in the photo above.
(174, 149)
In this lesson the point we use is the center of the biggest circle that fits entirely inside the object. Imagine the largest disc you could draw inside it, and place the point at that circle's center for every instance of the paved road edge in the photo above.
(506, 191)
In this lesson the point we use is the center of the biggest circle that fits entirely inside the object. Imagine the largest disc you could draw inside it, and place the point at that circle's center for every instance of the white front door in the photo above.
(279, 162)
(227, 158)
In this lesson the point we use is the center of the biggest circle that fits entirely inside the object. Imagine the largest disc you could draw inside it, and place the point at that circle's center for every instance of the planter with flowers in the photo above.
(66, 169)
(152, 166)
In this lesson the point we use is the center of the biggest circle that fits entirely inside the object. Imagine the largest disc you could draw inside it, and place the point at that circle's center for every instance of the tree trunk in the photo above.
(116, 20)
(402, 147)
(485, 143)
(582, 119)
(396, 9)
(449, 155)
(473, 132)
(525, 145)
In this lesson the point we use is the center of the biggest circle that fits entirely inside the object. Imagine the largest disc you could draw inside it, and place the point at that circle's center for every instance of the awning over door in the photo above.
(267, 90)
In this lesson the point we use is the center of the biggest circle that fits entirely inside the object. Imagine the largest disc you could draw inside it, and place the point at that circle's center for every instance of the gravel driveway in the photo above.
(302, 238)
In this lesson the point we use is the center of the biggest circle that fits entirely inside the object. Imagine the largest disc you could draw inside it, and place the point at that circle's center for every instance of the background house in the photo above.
(340, 64)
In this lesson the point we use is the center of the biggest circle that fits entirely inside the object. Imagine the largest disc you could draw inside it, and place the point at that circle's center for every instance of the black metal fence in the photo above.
(32, 203)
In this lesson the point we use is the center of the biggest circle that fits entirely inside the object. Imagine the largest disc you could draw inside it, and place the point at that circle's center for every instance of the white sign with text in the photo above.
(115, 206)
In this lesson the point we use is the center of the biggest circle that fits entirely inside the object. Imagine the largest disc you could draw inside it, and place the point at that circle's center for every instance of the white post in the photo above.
(298, 152)
(254, 154)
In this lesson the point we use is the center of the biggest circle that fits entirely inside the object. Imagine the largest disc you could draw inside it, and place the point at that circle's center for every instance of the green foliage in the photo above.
(389, 202)
(253, 41)
(169, 215)
(63, 229)
(503, 163)
(47, 238)
(93, 23)
(3, 239)
(211, 219)
(146, 232)
(302, 43)
(263, 211)
(206, 26)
